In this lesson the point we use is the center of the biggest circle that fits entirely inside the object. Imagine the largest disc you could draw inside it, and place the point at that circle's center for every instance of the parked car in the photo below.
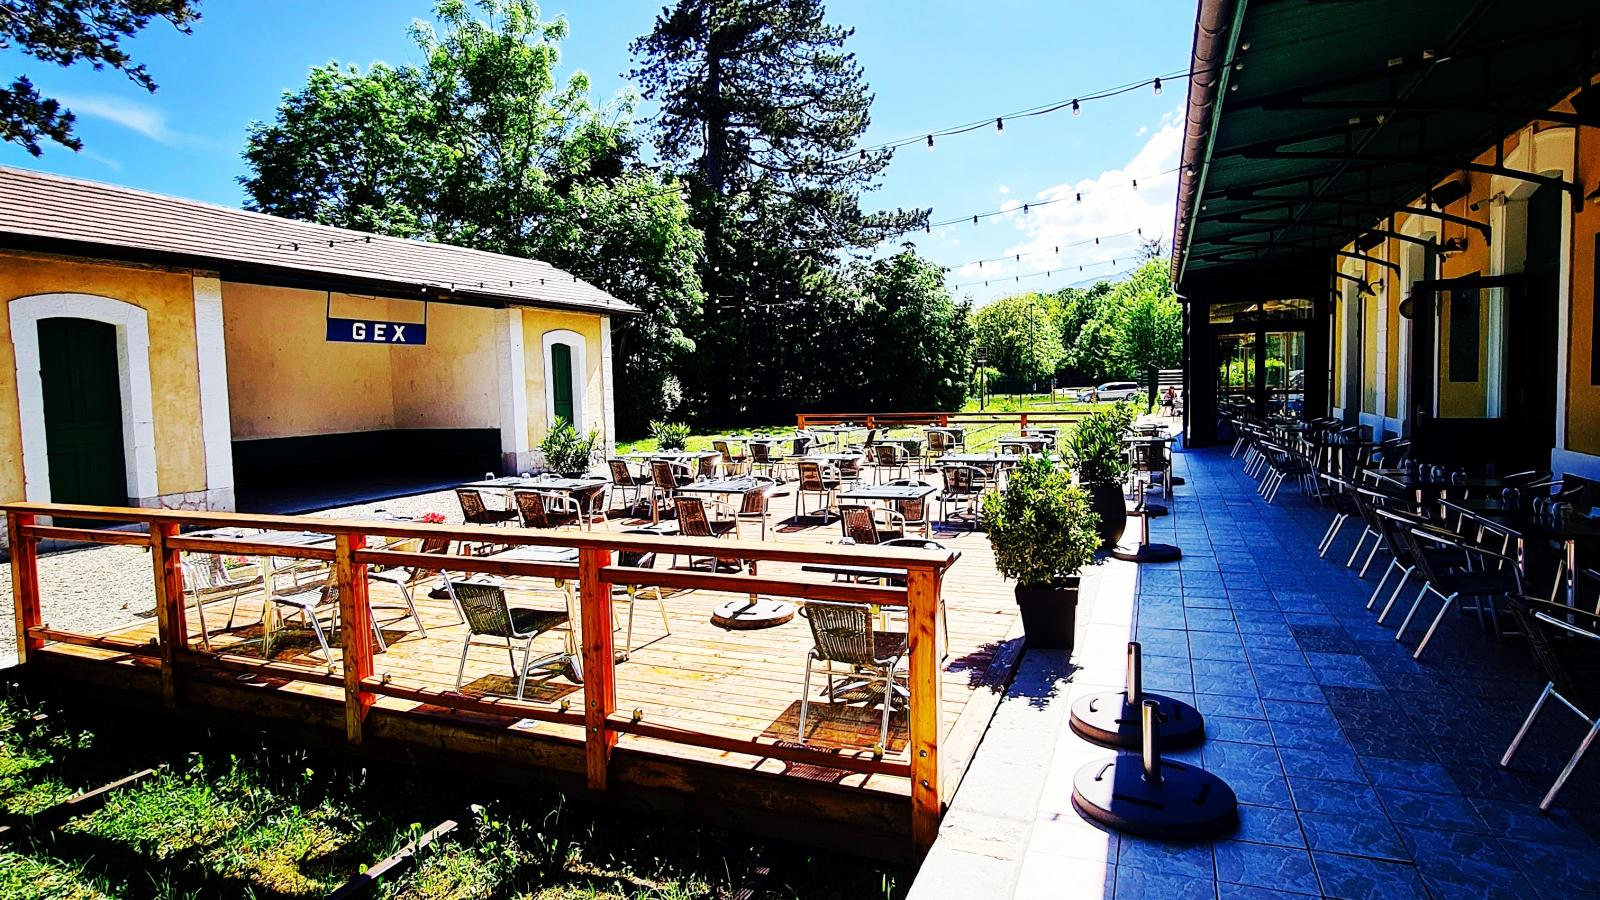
(1113, 391)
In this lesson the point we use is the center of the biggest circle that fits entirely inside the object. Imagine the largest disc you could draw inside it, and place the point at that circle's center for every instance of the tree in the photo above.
(920, 340)
(479, 146)
(69, 31)
(761, 109)
(1022, 337)
(1119, 330)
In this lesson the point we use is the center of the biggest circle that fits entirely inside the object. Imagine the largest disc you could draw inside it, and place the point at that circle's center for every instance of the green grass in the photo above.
(237, 817)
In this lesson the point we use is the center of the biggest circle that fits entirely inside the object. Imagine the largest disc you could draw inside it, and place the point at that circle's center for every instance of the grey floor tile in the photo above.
(1268, 825)
(1328, 766)
(1312, 795)
(1409, 774)
(1359, 835)
(1142, 884)
(1360, 878)
(1266, 866)
(1556, 871)
(1190, 859)
(1427, 810)
(1245, 731)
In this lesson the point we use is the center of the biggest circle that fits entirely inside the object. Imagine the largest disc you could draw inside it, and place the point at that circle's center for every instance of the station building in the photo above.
(1389, 213)
(162, 352)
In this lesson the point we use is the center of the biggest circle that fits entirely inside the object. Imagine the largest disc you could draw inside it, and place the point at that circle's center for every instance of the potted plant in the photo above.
(568, 454)
(1042, 531)
(670, 435)
(1094, 449)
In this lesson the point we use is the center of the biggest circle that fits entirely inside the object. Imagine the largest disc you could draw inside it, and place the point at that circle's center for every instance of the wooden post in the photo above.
(922, 598)
(171, 624)
(599, 663)
(1024, 422)
(355, 630)
(24, 583)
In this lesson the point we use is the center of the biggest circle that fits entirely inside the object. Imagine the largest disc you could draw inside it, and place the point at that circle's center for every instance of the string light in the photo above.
(1136, 184)
(1076, 110)
(1000, 125)
(930, 142)
(1158, 86)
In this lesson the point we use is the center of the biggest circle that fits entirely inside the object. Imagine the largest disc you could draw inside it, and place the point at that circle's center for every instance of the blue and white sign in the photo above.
(373, 331)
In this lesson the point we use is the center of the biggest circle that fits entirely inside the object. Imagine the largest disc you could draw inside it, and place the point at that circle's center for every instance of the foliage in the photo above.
(761, 109)
(69, 31)
(479, 146)
(1121, 330)
(1021, 336)
(670, 435)
(1041, 527)
(566, 453)
(1094, 445)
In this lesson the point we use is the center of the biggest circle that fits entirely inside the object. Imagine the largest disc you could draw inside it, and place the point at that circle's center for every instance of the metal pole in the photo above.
(1152, 742)
(1135, 692)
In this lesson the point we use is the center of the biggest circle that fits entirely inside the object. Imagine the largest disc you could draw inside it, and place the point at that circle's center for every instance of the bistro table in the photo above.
(1035, 443)
(1525, 526)
(837, 432)
(1424, 485)
(584, 491)
(1156, 439)
(887, 492)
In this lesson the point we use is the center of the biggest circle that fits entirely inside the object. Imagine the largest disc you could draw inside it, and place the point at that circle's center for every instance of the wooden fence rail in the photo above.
(594, 574)
(969, 420)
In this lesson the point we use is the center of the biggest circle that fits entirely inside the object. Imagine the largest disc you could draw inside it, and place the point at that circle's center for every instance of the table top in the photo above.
(837, 429)
(1024, 439)
(888, 492)
(1148, 438)
(724, 486)
(552, 484)
(1420, 482)
(1523, 523)
(833, 457)
(948, 429)
(670, 454)
(960, 458)
(530, 553)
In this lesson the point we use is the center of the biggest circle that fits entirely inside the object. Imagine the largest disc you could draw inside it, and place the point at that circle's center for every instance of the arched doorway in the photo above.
(78, 375)
(565, 369)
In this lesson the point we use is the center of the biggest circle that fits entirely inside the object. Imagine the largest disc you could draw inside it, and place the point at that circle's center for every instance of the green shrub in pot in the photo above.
(1094, 449)
(670, 435)
(567, 453)
(1042, 531)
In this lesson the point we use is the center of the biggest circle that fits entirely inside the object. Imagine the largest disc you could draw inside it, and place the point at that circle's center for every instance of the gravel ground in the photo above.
(97, 588)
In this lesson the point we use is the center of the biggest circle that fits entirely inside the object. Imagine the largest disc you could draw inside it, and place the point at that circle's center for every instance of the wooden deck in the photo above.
(704, 719)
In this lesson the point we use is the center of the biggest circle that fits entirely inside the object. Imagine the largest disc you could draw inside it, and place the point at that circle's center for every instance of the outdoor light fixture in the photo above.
(1499, 198)
(1448, 193)
(1075, 109)
(930, 142)
(1000, 125)
(1454, 245)
(1158, 87)
(1368, 241)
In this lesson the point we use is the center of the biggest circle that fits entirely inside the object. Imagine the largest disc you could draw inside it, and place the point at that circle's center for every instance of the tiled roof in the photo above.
(67, 215)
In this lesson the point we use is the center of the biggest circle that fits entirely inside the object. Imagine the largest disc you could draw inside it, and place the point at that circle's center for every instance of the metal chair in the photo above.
(623, 480)
(860, 524)
(706, 466)
(913, 512)
(814, 479)
(402, 577)
(756, 506)
(488, 615)
(665, 479)
(890, 456)
(844, 633)
(475, 512)
(534, 506)
(693, 522)
(1542, 622)
(207, 579)
(1450, 585)
(962, 484)
(634, 559)
(732, 463)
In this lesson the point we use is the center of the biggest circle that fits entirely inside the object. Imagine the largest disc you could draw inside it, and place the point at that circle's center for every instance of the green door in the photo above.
(82, 412)
(561, 380)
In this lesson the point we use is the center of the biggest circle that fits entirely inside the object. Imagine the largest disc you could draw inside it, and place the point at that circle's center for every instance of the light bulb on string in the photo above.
(1000, 125)
(930, 142)
(1024, 208)
(974, 220)
(1158, 87)
(1136, 184)
(1080, 198)
(1097, 241)
(1075, 109)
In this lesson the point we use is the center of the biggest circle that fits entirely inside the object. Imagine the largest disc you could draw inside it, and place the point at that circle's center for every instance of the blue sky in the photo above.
(932, 63)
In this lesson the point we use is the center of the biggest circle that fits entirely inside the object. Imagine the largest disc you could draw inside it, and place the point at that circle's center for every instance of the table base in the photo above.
(1107, 719)
(1186, 802)
(1147, 553)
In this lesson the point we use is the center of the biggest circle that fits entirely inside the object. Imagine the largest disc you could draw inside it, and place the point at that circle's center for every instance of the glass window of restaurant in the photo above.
(1261, 354)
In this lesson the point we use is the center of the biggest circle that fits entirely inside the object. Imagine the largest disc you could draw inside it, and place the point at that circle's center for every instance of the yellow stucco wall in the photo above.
(1465, 399)
(1583, 399)
(535, 323)
(285, 379)
(168, 300)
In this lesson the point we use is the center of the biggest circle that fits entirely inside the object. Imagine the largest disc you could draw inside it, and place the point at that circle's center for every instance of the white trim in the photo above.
(512, 368)
(133, 376)
(580, 377)
(211, 358)
(1582, 465)
(609, 387)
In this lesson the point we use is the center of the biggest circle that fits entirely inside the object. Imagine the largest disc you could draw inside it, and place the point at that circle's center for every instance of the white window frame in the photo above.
(580, 370)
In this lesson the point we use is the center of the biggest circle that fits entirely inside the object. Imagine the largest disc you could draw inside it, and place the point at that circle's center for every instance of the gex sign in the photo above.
(374, 331)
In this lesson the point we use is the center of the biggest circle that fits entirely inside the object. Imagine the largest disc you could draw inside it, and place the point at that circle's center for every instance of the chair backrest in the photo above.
(938, 441)
(842, 632)
(754, 502)
(959, 479)
(761, 452)
(811, 476)
(858, 524)
(637, 559)
(484, 605)
(887, 454)
(661, 471)
(621, 474)
(722, 447)
(708, 465)
(692, 521)
(915, 510)
(802, 444)
(850, 468)
(530, 505)
(472, 508)
(1549, 653)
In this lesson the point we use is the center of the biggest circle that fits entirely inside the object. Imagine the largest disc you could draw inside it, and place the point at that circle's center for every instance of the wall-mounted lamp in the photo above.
(1499, 198)
(1453, 245)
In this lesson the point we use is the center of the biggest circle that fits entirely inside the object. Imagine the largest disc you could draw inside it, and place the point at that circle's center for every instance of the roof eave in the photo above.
(1216, 36)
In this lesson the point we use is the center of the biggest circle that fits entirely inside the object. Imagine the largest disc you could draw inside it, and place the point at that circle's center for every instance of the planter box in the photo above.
(1049, 615)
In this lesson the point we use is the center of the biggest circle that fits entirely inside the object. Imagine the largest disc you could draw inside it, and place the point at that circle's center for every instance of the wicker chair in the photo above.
(939, 444)
(487, 614)
(732, 463)
(962, 485)
(623, 480)
(756, 506)
(814, 479)
(206, 579)
(914, 512)
(635, 559)
(1542, 621)
(762, 462)
(665, 479)
(1484, 583)
(708, 465)
(403, 577)
(474, 512)
(890, 457)
(535, 508)
(860, 524)
(844, 633)
(693, 522)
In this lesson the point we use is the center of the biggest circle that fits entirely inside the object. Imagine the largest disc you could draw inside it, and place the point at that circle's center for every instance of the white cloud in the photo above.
(1143, 130)
(109, 163)
(1110, 209)
(147, 120)
(1004, 189)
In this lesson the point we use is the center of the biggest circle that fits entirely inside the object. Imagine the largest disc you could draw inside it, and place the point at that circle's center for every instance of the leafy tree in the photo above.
(761, 108)
(479, 146)
(1021, 334)
(69, 31)
(1151, 326)
(920, 338)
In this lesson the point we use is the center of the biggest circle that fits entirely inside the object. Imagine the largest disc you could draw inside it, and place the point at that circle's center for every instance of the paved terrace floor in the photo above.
(1361, 773)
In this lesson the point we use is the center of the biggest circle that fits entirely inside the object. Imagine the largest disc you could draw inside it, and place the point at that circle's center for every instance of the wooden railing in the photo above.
(594, 574)
(1041, 419)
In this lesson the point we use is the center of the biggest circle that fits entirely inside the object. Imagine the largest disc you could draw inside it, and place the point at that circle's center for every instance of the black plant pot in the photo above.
(1107, 500)
(1049, 615)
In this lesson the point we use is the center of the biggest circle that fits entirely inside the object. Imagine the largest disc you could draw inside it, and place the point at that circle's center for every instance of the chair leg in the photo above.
(1527, 723)
(461, 670)
(805, 699)
(1356, 550)
(522, 682)
(1583, 748)
(327, 652)
(888, 706)
(1376, 546)
(1443, 608)
(1406, 622)
(1395, 594)
(1372, 601)
(205, 633)
(1329, 536)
